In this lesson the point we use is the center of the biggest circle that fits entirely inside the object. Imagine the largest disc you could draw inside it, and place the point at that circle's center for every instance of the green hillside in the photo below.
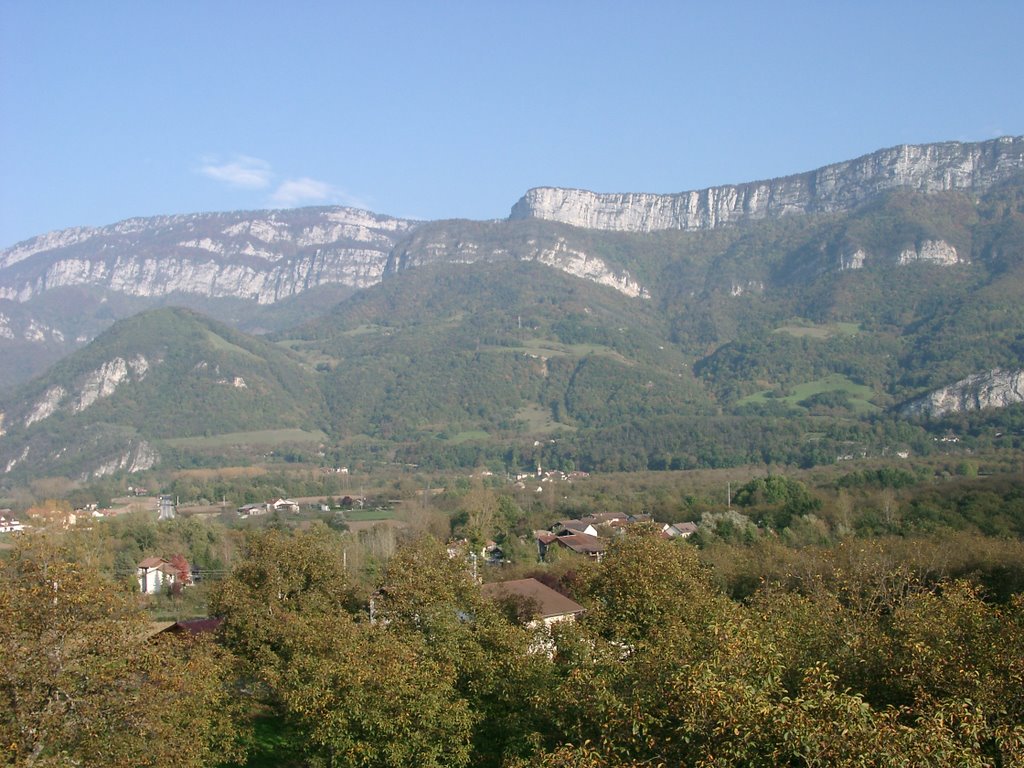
(442, 350)
(186, 375)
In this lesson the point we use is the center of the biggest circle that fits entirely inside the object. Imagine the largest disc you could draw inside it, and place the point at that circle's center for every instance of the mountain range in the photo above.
(796, 319)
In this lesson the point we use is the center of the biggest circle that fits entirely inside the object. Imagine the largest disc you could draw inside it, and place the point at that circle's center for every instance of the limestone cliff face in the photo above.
(135, 456)
(73, 397)
(931, 251)
(927, 168)
(263, 256)
(138, 456)
(266, 256)
(995, 389)
(473, 242)
(88, 389)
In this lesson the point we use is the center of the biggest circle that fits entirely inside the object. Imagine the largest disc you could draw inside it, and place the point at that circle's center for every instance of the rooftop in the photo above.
(547, 601)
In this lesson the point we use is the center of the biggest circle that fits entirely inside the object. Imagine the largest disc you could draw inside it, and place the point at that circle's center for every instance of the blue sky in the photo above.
(453, 109)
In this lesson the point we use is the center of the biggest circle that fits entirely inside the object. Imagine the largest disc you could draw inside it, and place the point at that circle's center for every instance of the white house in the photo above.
(285, 505)
(10, 525)
(250, 510)
(155, 574)
(569, 526)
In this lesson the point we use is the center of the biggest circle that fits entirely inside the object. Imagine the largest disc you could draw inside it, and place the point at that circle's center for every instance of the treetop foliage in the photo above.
(83, 685)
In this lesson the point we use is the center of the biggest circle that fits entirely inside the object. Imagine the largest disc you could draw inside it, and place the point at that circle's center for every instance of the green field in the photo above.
(262, 437)
(819, 331)
(860, 395)
(469, 434)
(548, 348)
(368, 515)
(538, 420)
(220, 343)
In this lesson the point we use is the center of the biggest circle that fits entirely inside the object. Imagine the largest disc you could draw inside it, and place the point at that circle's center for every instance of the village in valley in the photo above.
(165, 579)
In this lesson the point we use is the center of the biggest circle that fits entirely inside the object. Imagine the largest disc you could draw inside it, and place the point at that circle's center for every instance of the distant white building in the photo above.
(251, 510)
(155, 574)
(10, 525)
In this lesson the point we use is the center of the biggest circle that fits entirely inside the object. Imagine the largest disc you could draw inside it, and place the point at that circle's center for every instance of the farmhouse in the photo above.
(157, 574)
(593, 547)
(679, 530)
(569, 526)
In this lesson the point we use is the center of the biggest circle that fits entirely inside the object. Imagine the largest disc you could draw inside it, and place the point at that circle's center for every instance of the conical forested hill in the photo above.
(164, 374)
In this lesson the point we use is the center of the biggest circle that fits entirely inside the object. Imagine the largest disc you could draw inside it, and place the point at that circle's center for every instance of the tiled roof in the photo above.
(548, 602)
(575, 525)
(584, 543)
(606, 517)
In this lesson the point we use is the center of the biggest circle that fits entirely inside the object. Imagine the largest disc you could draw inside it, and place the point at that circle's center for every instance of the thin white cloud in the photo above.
(294, 192)
(244, 172)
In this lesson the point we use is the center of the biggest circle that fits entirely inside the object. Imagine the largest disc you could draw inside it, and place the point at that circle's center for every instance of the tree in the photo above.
(363, 697)
(950, 646)
(650, 609)
(346, 693)
(780, 497)
(284, 579)
(81, 683)
(648, 588)
(481, 509)
(429, 600)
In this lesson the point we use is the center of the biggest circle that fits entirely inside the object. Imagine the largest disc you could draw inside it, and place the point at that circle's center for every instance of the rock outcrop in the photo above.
(90, 388)
(927, 168)
(262, 256)
(435, 244)
(138, 456)
(931, 251)
(995, 389)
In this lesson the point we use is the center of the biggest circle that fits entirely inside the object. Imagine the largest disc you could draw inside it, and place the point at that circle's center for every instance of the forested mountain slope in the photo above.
(797, 338)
